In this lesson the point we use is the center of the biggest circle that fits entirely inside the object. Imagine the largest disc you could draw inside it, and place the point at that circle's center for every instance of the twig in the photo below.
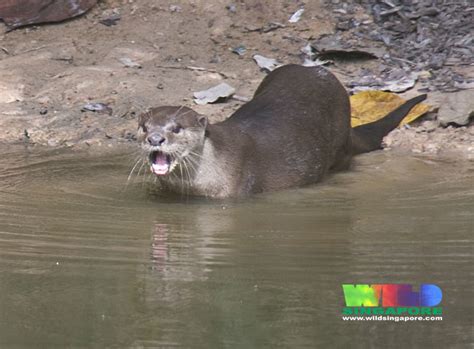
(392, 10)
(31, 50)
(240, 98)
(192, 68)
(403, 60)
(388, 3)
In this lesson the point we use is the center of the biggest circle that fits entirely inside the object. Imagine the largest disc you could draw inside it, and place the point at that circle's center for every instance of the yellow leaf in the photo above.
(369, 106)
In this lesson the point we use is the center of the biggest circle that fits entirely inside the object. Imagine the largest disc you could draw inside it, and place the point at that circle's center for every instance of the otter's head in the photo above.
(169, 135)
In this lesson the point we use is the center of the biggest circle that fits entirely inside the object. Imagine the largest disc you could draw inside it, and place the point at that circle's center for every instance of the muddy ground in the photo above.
(49, 72)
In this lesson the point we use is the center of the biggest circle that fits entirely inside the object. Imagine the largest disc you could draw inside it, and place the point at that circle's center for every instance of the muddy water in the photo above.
(86, 261)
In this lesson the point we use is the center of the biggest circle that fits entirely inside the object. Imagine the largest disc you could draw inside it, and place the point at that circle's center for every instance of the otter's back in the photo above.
(299, 120)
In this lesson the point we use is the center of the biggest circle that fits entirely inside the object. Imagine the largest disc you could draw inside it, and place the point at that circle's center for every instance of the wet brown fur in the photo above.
(294, 131)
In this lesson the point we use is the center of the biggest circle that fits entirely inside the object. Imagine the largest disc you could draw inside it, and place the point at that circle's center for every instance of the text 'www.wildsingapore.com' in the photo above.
(392, 318)
(392, 302)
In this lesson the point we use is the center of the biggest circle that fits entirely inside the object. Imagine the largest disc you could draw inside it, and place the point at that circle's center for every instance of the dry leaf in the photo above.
(369, 106)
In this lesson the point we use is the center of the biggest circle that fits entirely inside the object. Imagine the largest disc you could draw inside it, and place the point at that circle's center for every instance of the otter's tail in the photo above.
(369, 137)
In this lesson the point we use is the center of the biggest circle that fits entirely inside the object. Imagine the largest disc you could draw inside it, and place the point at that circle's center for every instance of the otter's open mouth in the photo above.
(161, 163)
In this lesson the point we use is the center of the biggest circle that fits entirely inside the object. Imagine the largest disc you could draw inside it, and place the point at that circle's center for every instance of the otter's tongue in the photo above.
(161, 164)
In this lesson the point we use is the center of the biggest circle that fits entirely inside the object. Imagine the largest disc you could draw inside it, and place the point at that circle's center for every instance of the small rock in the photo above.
(175, 8)
(240, 50)
(213, 94)
(215, 59)
(100, 108)
(429, 125)
(26, 136)
(402, 84)
(265, 63)
(424, 74)
(457, 108)
(232, 8)
(295, 17)
(111, 20)
(129, 63)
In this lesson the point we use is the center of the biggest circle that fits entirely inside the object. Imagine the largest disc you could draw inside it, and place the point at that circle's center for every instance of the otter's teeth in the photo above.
(173, 166)
(160, 164)
(159, 169)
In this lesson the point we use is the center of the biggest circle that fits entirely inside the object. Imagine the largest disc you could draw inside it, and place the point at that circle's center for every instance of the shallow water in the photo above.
(87, 261)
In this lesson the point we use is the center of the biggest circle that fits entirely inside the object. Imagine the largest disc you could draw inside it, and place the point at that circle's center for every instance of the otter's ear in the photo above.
(202, 119)
(142, 118)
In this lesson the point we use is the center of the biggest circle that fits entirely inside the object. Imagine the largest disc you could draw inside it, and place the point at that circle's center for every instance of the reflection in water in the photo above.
(159, 247)
(85, 263)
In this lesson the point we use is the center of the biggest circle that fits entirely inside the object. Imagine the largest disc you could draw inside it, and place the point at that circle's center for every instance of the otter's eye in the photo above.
(177, 129)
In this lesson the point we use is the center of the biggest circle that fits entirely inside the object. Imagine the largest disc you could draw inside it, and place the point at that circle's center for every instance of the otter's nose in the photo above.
(155, 139)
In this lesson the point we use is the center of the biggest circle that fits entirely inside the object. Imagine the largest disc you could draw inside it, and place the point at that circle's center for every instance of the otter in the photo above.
(294, 131)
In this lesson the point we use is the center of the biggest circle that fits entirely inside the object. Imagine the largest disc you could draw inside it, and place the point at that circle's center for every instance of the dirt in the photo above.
(50, 72)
